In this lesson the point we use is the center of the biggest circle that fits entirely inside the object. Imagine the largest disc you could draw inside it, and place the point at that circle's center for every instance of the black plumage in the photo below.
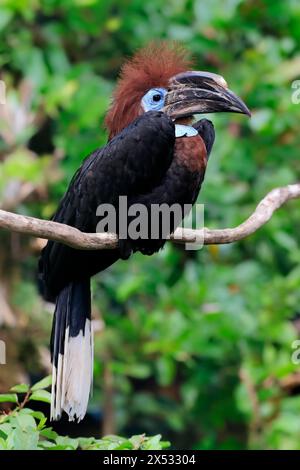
(137, 163)
(156, 159)
(145, 163)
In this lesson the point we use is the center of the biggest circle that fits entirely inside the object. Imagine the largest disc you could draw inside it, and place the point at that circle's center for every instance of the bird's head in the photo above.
(159, 78)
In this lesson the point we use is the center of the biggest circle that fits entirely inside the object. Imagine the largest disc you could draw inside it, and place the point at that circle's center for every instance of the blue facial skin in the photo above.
(154, 99)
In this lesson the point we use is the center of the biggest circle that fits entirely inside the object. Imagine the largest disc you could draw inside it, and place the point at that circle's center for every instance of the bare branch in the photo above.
(102, 241)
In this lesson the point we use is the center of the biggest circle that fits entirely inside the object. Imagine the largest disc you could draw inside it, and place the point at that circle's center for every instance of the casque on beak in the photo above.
(198, 92)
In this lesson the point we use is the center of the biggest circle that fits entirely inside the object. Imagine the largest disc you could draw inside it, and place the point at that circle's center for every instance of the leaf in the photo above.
(137, 440)
(47, 445)
(55, 447)
(25, 411)
(3, 444)
(42, 384)
(8, 397)
(67, 442)
(25, 421)
(152, 443)
(41, 417)
(113, 442)
(165, 444)
(49, 434)
(21, 388)
(126, 445)
(19, 440)
(3, 418)
(41, 395)
(5, 429)
(85, 443)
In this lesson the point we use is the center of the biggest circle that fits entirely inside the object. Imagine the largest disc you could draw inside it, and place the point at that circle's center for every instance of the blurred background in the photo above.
(193, 345)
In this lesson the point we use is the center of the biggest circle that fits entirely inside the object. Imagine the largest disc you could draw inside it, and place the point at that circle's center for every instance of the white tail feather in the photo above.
(72, 381)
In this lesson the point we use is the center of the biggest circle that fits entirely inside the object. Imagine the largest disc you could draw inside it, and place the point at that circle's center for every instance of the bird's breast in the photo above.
(191, 152)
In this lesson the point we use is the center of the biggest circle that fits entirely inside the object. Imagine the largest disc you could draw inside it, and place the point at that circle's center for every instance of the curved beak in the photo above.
(196, 92)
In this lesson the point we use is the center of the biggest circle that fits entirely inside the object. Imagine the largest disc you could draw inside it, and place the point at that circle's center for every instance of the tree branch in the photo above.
(102, 241)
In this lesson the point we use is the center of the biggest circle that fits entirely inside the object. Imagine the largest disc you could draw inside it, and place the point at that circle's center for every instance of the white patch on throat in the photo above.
(185, 131)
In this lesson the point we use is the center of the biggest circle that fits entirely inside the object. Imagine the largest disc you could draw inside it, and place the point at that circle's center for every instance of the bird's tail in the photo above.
(72, 351)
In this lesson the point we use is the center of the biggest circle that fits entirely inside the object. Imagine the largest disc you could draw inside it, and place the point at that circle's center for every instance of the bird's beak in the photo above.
(200, 92)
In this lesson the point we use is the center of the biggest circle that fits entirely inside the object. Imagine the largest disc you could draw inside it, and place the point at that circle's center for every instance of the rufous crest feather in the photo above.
(150, 67)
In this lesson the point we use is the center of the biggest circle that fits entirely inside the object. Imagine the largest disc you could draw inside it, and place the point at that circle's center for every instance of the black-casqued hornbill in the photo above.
(155, 155)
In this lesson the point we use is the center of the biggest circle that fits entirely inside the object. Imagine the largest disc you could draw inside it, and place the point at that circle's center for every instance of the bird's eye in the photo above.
(156, 97)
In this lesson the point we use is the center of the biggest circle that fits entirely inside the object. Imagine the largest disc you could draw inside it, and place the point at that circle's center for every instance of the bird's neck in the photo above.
(186, 121)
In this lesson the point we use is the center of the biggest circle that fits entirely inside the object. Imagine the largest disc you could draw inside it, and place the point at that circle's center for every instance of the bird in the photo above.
(155, 154)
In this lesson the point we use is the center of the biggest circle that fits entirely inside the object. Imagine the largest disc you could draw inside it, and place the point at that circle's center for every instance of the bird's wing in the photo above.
(206, 130)
(131, 163)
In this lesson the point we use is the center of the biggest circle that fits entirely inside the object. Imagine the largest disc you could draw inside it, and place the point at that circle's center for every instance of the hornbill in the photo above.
(155, 154)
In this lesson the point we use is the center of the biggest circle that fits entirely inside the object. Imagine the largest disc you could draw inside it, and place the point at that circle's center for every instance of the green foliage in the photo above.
(195, 345)
(25, 429)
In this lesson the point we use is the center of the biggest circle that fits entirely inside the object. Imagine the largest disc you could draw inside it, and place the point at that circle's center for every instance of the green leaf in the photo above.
(165, 444)
(41, 395)
(126, 445)
(46, 445)
(41, 417)
(5, 429)
(112, 442)
(8, 397)
(67, 442)
(25, 421)
(152, 443)
(56, 447)
(3, 443)
(25, 411)
(137, 440)
(20, 440)
(49, 434)
(21, 388)
(42, 384)
(86, 443)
